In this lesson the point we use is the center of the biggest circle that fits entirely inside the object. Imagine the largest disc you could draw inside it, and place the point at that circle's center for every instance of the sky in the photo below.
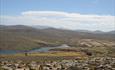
(67, 14)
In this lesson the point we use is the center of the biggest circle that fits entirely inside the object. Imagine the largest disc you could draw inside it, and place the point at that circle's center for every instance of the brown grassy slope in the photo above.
(25, 38)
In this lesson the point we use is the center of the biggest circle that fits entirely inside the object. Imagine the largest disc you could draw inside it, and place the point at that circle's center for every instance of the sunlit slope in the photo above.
(21, 37)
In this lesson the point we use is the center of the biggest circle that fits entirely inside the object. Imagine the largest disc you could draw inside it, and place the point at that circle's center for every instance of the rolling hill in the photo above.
(20, 37)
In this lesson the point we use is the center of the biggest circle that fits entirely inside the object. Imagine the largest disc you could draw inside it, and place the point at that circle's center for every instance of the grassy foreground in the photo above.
(44, 56)
(48, 54)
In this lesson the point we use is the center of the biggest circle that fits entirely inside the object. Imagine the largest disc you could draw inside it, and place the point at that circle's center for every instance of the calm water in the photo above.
(9, 51)
(44, 49)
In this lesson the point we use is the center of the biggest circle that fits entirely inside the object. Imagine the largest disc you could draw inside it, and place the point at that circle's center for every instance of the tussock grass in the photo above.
(49, 54)
(57, 54)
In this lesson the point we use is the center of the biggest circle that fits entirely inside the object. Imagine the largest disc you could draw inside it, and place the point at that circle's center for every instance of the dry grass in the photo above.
(49, 54)
(44, 56)
(57, 54)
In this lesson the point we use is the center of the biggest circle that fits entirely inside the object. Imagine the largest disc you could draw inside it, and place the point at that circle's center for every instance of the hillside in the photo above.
(20, 37)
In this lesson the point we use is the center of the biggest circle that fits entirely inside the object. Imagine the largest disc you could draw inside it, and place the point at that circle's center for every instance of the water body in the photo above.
(44, 49)
(10, 51)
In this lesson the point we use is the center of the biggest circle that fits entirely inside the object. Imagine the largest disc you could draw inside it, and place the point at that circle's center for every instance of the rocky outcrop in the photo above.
(95, 43)
(97, 63)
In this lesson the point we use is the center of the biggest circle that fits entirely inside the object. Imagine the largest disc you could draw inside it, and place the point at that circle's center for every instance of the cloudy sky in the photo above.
(67, 14)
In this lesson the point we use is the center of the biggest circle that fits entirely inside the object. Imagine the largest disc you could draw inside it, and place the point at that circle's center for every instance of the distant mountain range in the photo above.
(40, 27)
(21, 37)
(47, 27)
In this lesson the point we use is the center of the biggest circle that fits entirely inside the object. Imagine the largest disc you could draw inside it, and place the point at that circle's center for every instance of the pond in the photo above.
(43, 49)
(10, 51)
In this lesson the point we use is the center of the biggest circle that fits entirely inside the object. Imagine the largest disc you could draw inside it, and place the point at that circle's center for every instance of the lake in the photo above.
(43, 49)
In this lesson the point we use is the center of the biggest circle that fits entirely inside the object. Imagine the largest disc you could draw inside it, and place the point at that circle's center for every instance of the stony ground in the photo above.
(97, 63)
